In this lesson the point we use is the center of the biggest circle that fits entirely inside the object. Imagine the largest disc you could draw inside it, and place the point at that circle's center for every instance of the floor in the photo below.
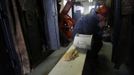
(103, 66)
(46, 66)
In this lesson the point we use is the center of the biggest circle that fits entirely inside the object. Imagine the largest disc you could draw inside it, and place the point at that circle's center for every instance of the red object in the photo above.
(66, 22)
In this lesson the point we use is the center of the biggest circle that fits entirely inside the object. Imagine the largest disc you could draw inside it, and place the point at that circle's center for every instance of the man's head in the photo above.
(102, 11)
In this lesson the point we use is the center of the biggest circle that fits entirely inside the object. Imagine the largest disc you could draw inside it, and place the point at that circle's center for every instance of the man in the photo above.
(92, 24)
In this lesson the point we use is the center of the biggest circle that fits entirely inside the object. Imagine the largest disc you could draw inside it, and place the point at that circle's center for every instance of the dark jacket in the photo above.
(87, 24)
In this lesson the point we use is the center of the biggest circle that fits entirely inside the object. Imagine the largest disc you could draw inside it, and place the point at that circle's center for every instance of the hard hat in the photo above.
(102, 9)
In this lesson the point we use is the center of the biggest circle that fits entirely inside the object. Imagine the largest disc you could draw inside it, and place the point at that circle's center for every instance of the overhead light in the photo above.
(90, 1)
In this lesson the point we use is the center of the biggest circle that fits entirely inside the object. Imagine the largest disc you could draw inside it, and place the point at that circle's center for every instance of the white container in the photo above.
(82, 41)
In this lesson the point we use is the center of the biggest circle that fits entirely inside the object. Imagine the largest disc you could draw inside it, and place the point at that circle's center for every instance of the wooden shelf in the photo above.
(73, 67)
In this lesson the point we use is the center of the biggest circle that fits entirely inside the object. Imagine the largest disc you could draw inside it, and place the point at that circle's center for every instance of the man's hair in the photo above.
(102, 9)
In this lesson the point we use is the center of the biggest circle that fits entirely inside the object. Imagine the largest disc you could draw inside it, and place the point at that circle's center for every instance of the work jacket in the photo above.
(87, 24)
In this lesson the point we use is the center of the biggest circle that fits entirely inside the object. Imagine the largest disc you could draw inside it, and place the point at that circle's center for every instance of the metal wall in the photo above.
(51, 23)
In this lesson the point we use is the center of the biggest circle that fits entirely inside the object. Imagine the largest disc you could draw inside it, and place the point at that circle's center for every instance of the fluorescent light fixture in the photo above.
(90, 1)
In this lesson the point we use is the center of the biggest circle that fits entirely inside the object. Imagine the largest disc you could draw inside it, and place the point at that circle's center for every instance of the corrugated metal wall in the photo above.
(51, 23)
(27, 26)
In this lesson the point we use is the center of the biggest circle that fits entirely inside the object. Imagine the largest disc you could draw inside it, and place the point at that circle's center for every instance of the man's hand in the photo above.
(71, 54)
